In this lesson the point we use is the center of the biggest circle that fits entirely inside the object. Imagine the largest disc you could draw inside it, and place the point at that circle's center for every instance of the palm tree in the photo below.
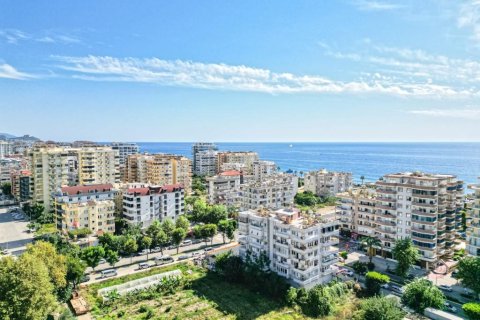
(362, 178)
(371, 242)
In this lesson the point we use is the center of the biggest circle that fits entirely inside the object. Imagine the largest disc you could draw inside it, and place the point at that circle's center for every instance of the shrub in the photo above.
(371, 266)
(472, 310)
(344, 255)
(380, 308)
(359, 267)
(374, 281)
(421, 294)
(291, 297)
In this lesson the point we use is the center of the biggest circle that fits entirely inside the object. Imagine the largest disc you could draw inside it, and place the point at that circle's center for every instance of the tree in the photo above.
(405, 254)
(26, 289)
(215, 214)
(75, 270)
(111, 257)
(7, 188)
(374, 281)
(363, 179)
(178, 235)
(469, 273)
(130, 246)
(209, 231)
(227, 228)
(380, 308)
(146, 243)
(359, 267)
(92, 256)
(109, 241)
(371, 243)
(182, 222)
(306, 198)
(472, 310)
(230, 266)
(56, 263)
(199, 210)
(168, 227)
(421, 294)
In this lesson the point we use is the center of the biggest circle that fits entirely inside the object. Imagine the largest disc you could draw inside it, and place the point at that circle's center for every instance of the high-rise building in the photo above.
(242, 158)
(356, 210)
(20, 181)
(325, 183)
(206, 163)
(197, 148)
(473, 229)
(263, 169)
(56, 167)
(89, 207)
(300, 247)
(124, 150)
(143, 204)
(224, 188)
(6, 148)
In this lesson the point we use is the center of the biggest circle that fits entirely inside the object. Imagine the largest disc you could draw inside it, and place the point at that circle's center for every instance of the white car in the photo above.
(450, 308)
(445, 288)
(385, 286)
(156, 249)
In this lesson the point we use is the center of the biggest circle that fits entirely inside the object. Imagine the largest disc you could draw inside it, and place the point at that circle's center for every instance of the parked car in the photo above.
(108, 273)
(183, 257)
(143, 265)
(4, 252)
(449, 307)
(85, 278)
(208, 249)
(455, 273)
(102, 261)
(163, 260)
(186, 243)
(143, 252)
(445, 288)
(156, 249)
(195, 254)
(385, 286)
(396, 289)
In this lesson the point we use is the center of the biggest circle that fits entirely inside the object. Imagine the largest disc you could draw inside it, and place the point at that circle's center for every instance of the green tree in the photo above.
(215, 214)
(226, 227)
(472, 310)
(75, 270)
(56, 263)
(371, 243)
(26, 289)
(130, 246)
(111, 257)
(421, 294)
(168, 227)
(380, 308)
(182, 222)
(406, 255)
(146, 243)
(109, 241)
(199, 210)
(307, 199)
(92, 256)
(209, 231)
(178, 235)
(469, 273)
(464, 220)
(7, 188)
(291, 297)
(231, 230)
(374, 281)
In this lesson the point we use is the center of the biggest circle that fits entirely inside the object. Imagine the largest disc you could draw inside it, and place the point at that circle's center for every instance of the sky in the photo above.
(241, 70)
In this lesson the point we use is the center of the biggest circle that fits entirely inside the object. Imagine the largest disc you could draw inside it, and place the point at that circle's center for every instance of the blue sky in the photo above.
(346, 70)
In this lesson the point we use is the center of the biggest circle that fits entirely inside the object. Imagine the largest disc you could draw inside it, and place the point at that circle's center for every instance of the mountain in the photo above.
(25, 137)
(6, 136)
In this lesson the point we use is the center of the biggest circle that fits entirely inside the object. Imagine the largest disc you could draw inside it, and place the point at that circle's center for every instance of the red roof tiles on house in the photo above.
(86, 189)
(139, 191)
(231, 173)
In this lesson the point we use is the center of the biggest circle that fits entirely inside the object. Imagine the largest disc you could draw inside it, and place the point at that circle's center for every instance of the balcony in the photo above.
(385, 223)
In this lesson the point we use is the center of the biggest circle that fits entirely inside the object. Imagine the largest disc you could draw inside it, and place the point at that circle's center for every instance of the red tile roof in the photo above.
(139, 191)
(172, 187)
(155, 189)
(231, 173)
(86, 189)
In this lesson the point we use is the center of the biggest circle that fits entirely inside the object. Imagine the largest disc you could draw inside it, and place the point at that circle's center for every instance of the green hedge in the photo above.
(472, 310)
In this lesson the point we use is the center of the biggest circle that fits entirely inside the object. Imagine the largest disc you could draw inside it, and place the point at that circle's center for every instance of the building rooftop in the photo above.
(230, 173)
(86, 189)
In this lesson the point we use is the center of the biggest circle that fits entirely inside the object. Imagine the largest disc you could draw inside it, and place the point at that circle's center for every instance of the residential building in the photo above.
(263, 169)
(206, 163)
(6, 148)
(325, 183)
(473, 230)
(20, 181)
(425, 207)
(55, 167)
(124, 150)
(224, 188)
(275, 192)
(9, 165)
(196, 149)
(356, 210)
(301, 247)
(86, 206)
(239, 157)
(143, 203)
(160, 169)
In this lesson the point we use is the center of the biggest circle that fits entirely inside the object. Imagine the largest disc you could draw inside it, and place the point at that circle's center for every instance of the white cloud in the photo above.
(370, 5)
(238, 77)
(9, 72)
(14, 36)
(469, 17)
(468, 114)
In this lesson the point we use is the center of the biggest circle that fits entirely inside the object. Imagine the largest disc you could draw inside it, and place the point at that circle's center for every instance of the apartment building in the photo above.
(196, 149)
(6, 148)
(206, 163)
(301, 247)
(54, 167)
(20, 182)
(9, 165)
(245, 158)
(473, 230)
(124, 149)
(263, 169)
(159, 169)
(224, 188)
(86, 206)
(356, 210)
(143, 203)
(275, 192)
(325, 183)
(425, 207)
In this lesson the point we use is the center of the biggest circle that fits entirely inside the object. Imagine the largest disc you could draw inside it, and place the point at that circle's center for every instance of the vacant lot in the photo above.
(208, 297)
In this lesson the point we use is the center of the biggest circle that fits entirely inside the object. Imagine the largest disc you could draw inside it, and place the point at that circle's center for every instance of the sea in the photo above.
(371, 160)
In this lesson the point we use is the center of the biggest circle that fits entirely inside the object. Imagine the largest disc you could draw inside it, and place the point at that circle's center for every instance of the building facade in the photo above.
(263, 169)
(20, 181)
(124, 149)
(198, 148)
(356, 210)
(224, 188)
(206, 163)
(325, 183)
(473, 229)
(301, 247)
(143, 204)
(6, 148)
(242, 158)
(84, 206)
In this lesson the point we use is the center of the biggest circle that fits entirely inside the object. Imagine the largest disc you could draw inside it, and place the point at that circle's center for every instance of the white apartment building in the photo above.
(91, 207)
(6, 148)
(143, 204)
(263, 169)
(196, 149)
(56, 167)
(425, 207)
(243, 161)
(224, 188)
(473, 229)
(124, 150)
(206, 163)
(325, 183)
(356, 210)
(275, 192)
(301, 247)
(8, 166)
